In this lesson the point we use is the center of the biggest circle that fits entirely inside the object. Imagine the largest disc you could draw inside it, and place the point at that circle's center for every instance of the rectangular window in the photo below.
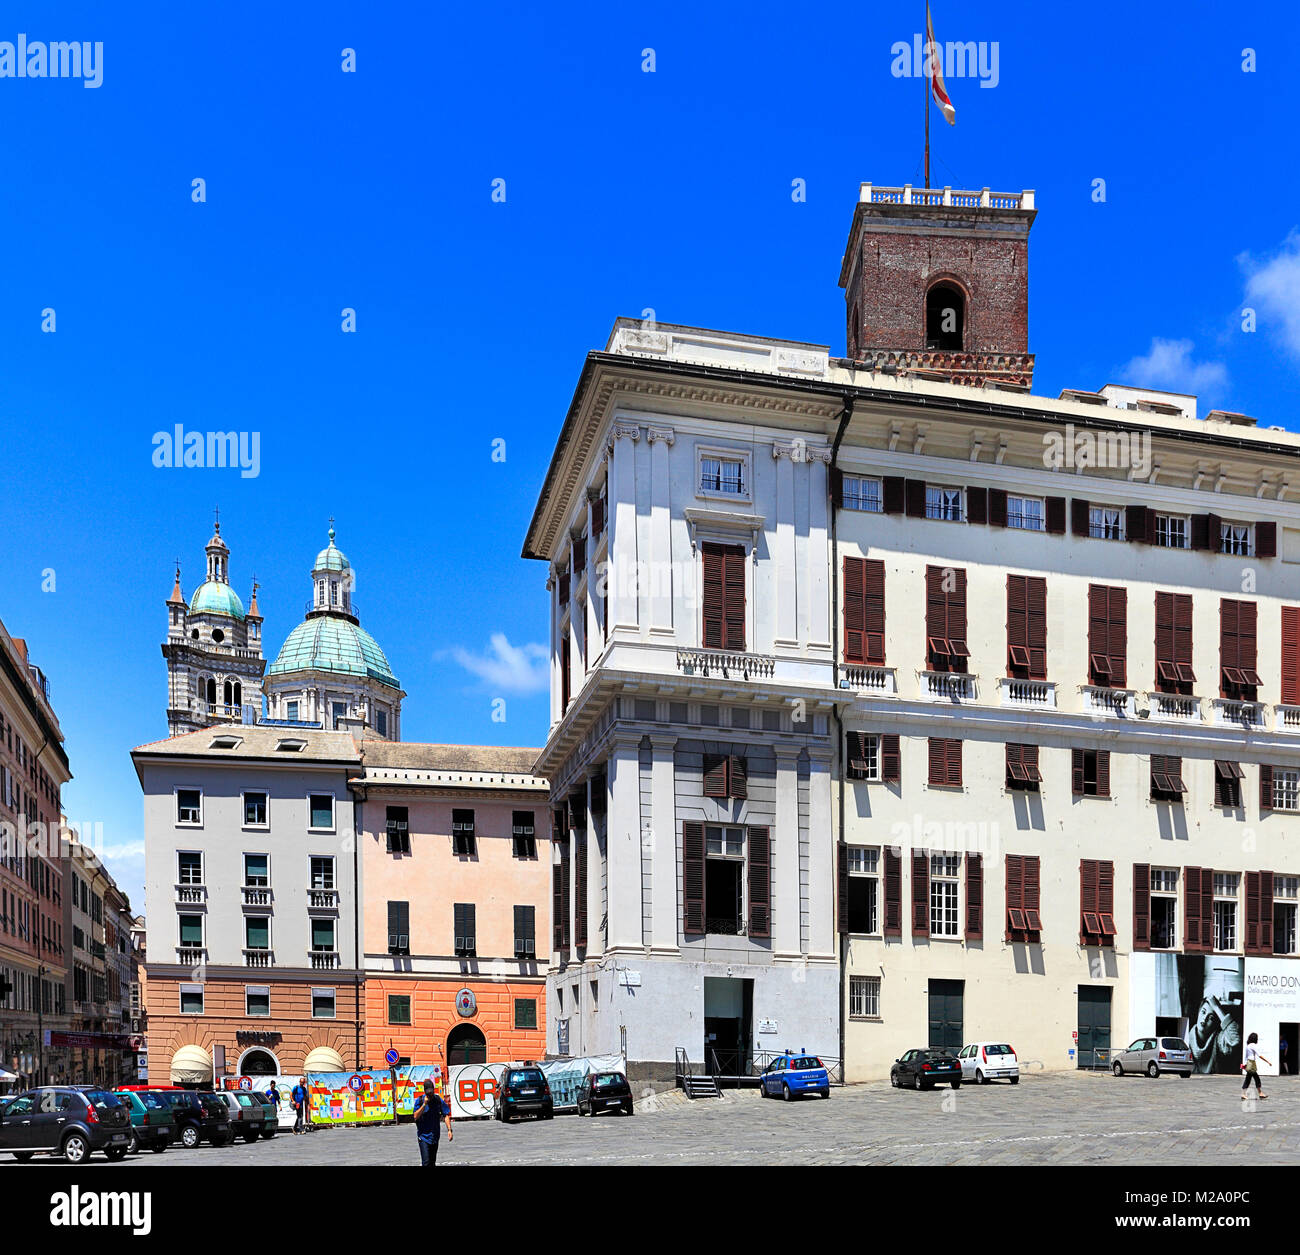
(1026, 627)
(1239, 680)
(397, 828)
(322, 935)
(1286, 789)
(1090, 773)
(1105, 522)
(257, 871)
(257, 1000)
(191, 929)
(1025, 513)
(863, 890)
(861, 493)
(1174, 643)
(523, 833)
(525, 1012)
(525, 932)
(945, 619)
(291, 711)
(189, 867)
(1226, 885)
(725, 776)
(1022, 768)
(254, 810)
(1236, 538)
(723, 599)
(864, 611)
(724, 475)
(399, 928)
(1164, 908)
(1167, 778)
(381, 722)
(943, 503)
(863, 756)
(322, 811)
(1024, 887)
(1107, 636)
(462, 832)
(1285, 893)
(724, 842)
(1227, 783)
(864, 997)
(945, 762)
(191, 999)
(1171, 531)
(257, 932)
(944, 871)
(189, 807)
(322, 1004)
(465, 940)
(399, 1008)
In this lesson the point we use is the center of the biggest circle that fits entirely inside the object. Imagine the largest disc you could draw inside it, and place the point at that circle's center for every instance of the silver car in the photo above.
(1154, 1055)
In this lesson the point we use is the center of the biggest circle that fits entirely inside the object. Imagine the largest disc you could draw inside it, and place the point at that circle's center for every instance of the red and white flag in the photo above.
(934, 58)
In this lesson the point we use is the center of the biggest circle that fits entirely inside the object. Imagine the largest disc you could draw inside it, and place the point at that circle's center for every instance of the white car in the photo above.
(985, 1061)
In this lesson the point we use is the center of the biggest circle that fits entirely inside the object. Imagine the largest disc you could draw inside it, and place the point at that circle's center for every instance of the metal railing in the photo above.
(749, 1067)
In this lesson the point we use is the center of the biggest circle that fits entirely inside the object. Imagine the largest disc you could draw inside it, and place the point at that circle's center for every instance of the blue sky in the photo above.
(625, 191)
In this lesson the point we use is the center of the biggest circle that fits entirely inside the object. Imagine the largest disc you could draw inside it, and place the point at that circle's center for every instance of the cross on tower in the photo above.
(217, 512)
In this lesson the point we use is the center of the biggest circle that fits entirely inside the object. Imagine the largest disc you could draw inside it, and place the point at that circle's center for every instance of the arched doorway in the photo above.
(465, 1044)
(258, 1063)
(945, 317)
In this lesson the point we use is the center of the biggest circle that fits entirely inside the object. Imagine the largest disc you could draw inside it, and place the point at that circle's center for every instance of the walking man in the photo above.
(298, 1096)
(1251, 1066)
(429, 1112)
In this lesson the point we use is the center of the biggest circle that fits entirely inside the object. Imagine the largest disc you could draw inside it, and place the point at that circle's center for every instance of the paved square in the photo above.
(1068, 1118)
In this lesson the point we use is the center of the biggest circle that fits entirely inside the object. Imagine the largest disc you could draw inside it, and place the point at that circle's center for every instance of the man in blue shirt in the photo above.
(429, 1111)
(298, 1096)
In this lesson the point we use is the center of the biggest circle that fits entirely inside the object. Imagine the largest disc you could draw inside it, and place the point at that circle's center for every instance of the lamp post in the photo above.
(41, 969)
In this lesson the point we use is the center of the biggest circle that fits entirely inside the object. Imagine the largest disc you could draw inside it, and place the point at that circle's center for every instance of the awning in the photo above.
(323, 1059)
(191, 1065)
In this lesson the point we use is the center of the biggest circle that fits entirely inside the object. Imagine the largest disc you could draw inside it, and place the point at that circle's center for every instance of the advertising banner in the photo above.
(1273, 1011)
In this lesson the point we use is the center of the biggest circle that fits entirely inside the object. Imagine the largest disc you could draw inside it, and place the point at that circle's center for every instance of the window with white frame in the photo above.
(254, 810)
(944, 872)
(861, 493)
(1286, 789)
(724, 474)
(864, 756)
(1164, 908)
(1286, 890)
(257, 1000)
(724, 842)
(1225, 911)
(864, 997)
(189, 807)
(321, 808)
(1171, 531)
(189, 867)
(322, 871)
(943, 503)
(864, 889)
(191, 999)
(1026, 513)
(1105, 522)
(322, 1004)
(1236, 538)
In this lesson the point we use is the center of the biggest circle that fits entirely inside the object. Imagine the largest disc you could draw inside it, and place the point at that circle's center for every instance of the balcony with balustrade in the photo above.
(1027, 694)
(257, 895)
(1108, 702)
(871, 681)
(1175, 707)
(323, 901)
(259, 956)
(191, 895)
(947, 686)
(324, 960)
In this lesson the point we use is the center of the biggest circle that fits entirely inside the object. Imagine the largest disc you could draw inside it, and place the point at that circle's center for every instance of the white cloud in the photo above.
(1273, 290)
(508, 668)
(1169, 366)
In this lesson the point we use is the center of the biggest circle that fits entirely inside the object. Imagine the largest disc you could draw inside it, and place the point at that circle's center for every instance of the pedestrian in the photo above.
(429, 1111)
(1251, 1066)
(298, 1096)
(273, 1093)
(1284, 1047)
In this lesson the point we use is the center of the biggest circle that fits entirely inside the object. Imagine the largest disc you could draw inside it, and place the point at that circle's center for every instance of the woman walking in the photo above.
(1251, 1066)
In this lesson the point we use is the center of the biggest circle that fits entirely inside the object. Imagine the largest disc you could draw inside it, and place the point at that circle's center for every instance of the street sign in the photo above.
(356, 1083)
(1075, 1035)
(245, 1082)
(391, 1057)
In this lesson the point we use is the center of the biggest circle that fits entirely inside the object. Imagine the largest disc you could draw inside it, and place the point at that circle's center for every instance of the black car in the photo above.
(63, 1120)
(198, 1118)
(604, 1091)
(523, 1091)
(923, 1069)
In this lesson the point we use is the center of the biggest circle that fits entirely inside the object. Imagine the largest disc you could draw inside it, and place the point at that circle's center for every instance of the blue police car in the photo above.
(792, 1075)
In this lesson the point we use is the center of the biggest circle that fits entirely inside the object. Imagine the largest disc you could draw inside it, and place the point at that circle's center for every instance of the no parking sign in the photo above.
(356, 1083)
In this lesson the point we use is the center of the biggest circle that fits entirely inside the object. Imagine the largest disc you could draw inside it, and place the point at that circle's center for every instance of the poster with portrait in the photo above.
(1211, 995)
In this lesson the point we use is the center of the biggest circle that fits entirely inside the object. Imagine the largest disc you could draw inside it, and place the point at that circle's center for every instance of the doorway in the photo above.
(947, 1014)
(728, 1020)
(465, 1044)
(258, 1063)
(1288, 1042)
(1169, 1026)
(1094, 1023)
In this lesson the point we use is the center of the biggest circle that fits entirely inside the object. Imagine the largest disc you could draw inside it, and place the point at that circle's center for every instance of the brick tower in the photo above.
(936, 283)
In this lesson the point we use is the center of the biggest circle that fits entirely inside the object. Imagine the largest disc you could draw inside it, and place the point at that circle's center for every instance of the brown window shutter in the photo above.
(977, 505)
(1141, 906)
(893, 494)
(1106, 896)
(1098, 633)
(945, 762)
(1183, 629)
(1033, 884)
(564, 589)
(565, 682)
(693, 878)
(715, 775)
(1117, 647)
(1266, 912)
(974, 897)
(737, 777)
(914, 494)
(597, 517)
(1251, 937)
(1214, 533)
(855, 755)
(837, 486)
(920, 895)
(711, 560)
(760, 883)
(1036, 609)
(1218, 787)
(580, 885)
(733, 582)
(855, 610)
(893, 893)
(1207, 909)
(1139, 522)
(998, 507)
(1079, 517)
(1055, 516)
(1017, 624)
(1229, 645)
(1089, 926)
(557, 907)
(954, 763)
(1200, 538)
(1076, 772)
(1265, 787)
(1291, 655)
(1164, 629)
(841, 888)
(891, 762)
(566, 891)
(1266, 547)
(874, 610)
(1192, 909)
(1015, 873)
(1103, 773)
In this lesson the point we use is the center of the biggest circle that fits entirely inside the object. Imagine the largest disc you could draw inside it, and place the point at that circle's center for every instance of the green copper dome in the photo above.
(215, 598)
(332, 558)
(331, 643)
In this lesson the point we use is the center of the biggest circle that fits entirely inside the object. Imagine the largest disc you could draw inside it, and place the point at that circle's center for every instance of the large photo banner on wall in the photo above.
(1212, 995)
(1273, 1011)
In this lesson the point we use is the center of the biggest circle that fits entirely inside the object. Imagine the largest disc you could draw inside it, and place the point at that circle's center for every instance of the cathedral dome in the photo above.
(214, 597)
(333, 643)
(331, 558)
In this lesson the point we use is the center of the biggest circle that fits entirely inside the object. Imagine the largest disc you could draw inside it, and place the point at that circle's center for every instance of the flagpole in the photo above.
(928, 54)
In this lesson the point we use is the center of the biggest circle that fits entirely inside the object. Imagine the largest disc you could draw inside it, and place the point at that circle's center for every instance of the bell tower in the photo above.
(936, 284)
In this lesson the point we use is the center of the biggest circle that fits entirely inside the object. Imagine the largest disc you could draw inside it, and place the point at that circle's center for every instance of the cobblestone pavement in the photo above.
(1066, 1118)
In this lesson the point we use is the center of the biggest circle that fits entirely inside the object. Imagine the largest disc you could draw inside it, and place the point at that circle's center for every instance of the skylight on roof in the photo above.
(290, 745)
(226, 742)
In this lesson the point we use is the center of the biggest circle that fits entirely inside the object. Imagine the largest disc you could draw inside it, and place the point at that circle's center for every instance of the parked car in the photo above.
(604, 1091)
(270, 1114)
(198, 1120)
(246, 1113)
(152, 1122)
(984, 1061)
(1154, 1055)
(64, 1120)
(523, 1090)
(793, 1075)
(924, 1069)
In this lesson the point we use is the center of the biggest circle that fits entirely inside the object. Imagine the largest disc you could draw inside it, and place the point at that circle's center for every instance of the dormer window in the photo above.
(225, 742)
(290, 745)
(945, 317)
